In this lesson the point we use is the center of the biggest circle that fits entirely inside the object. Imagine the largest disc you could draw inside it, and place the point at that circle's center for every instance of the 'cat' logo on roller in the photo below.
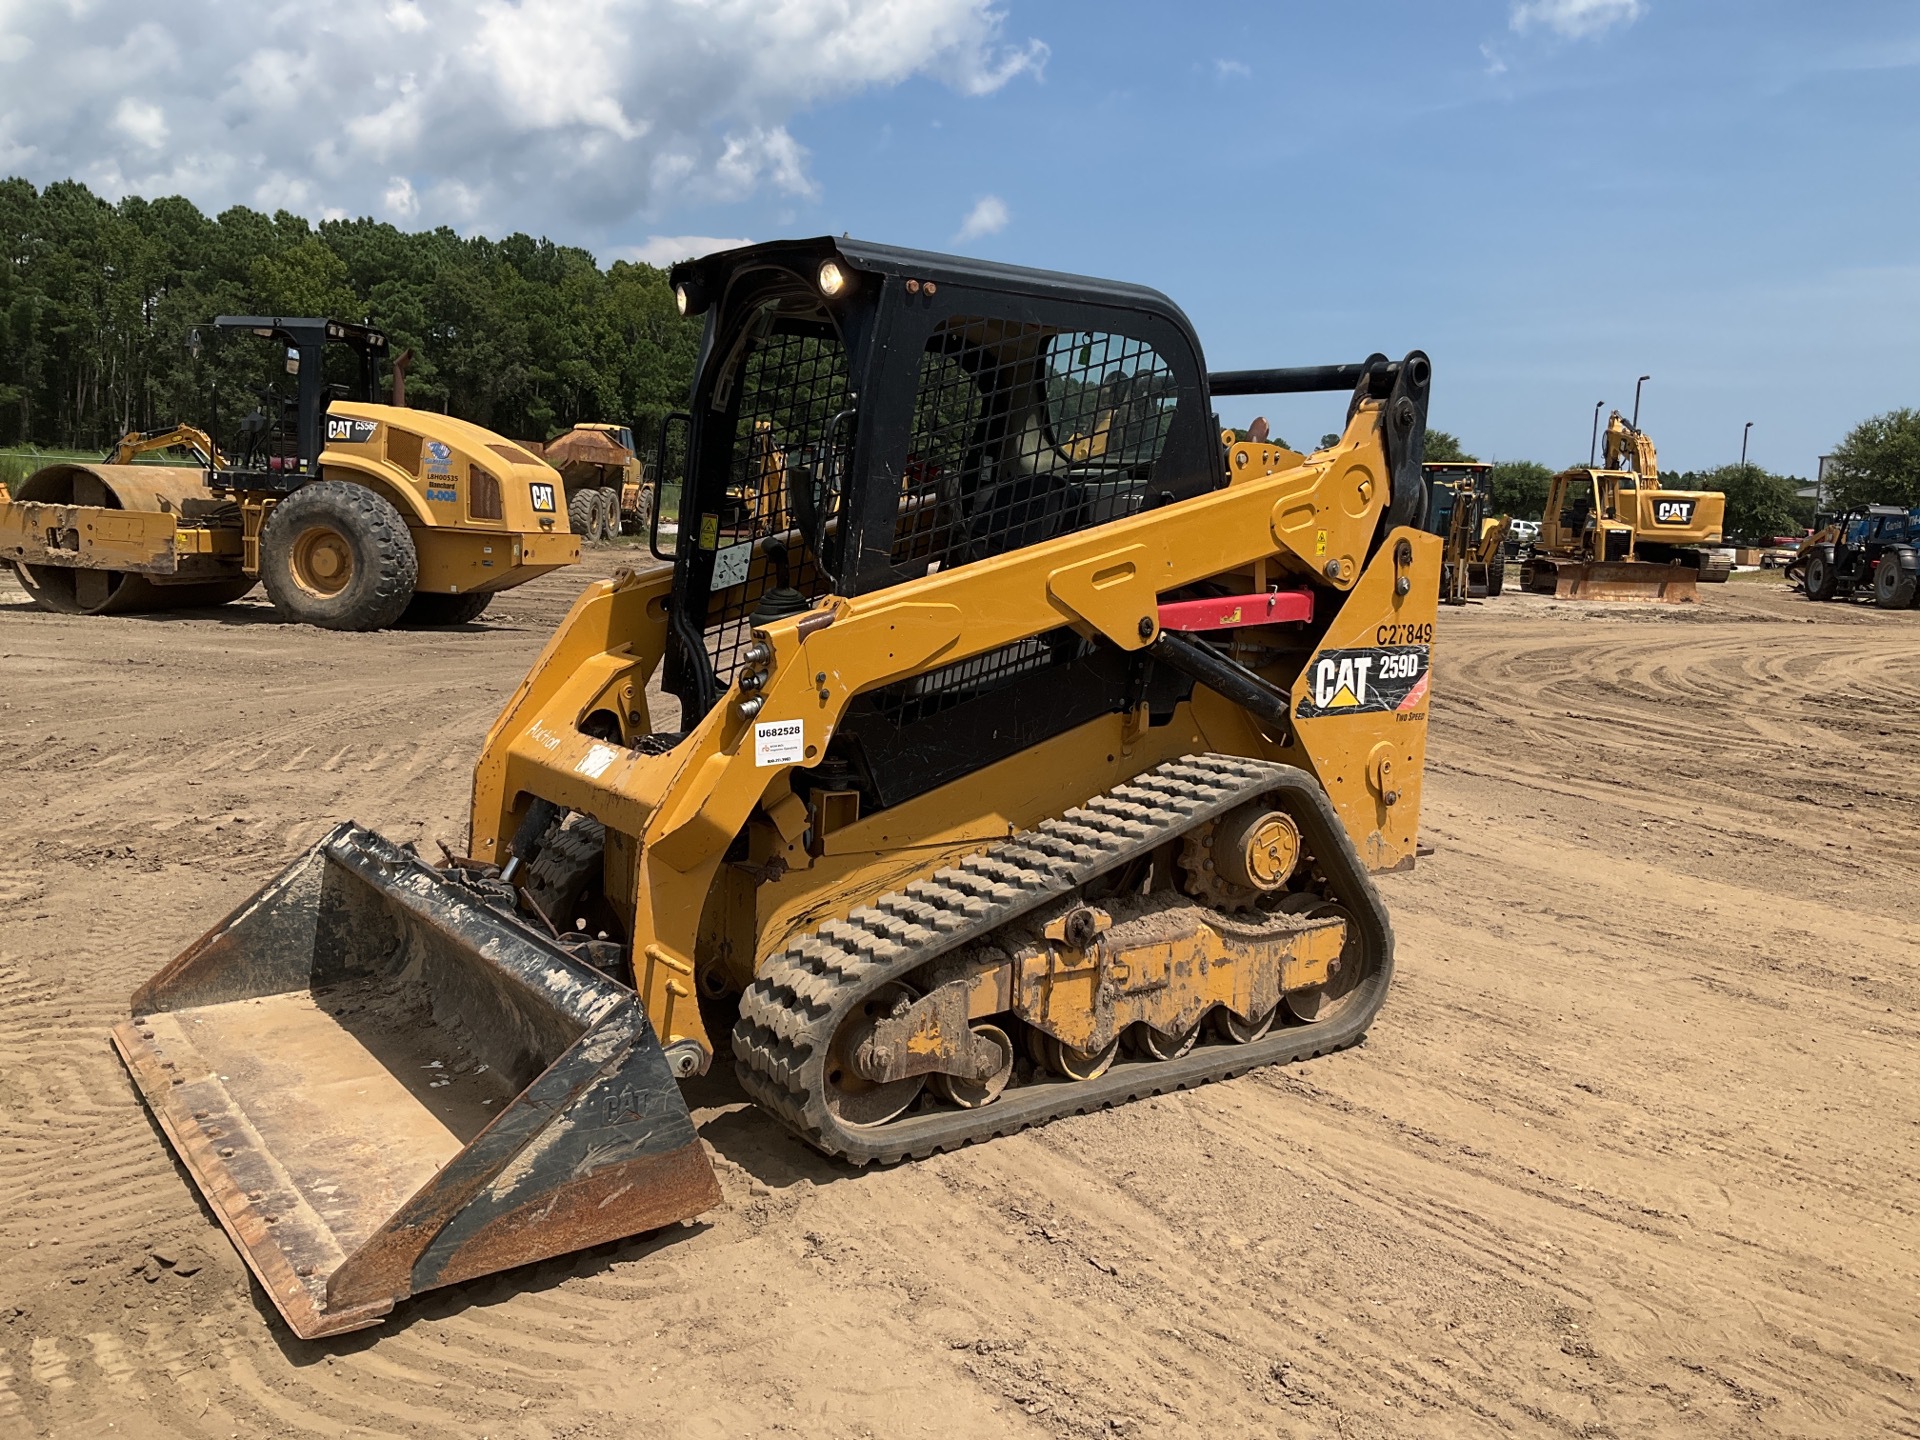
(1365, 682)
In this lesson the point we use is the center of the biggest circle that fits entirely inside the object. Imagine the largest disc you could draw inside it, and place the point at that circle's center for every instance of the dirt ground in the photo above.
(1634, 1148)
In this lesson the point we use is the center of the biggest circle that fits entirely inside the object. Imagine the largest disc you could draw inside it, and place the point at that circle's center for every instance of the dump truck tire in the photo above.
(615, 524)
(338, 556)
(1821, 582)
(428, 608)
(583, 514)
(1496, 575)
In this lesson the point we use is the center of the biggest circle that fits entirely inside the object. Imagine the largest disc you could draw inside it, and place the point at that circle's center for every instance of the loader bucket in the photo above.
(382, 1085)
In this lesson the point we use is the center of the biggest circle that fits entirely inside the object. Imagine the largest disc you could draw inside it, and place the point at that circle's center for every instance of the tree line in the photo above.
(1878, 463)
(105, 311)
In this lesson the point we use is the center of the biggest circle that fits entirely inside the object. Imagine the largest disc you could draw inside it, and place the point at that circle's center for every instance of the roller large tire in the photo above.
(429, 608)
(338, 556)
(583, 514)
(1893, 586)
(1821, 582)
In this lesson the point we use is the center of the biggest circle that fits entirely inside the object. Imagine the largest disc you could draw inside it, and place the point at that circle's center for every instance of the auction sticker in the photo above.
(779, 742)
(1365, 682)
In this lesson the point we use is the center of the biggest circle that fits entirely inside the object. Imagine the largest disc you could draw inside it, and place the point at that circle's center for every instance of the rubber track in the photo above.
(790, 1014)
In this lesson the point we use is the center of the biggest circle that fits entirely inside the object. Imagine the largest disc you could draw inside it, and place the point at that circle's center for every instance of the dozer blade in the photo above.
(382, 1085)
(1617, 580)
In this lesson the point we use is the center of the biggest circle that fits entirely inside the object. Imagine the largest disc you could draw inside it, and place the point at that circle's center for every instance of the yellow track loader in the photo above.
(1615, 533)
(1031, 748)
(354, 515)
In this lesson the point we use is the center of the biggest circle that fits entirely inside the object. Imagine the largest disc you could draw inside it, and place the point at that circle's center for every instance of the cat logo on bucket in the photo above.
(1365, 682)
(1673, 512)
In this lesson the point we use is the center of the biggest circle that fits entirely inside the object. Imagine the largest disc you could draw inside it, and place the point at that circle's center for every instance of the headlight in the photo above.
(680, 298)
(832, 278)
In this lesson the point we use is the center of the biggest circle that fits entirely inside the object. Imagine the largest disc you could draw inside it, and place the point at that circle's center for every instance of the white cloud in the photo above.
(664, 250)
(1233, 69)
(142, 122)
(989, 216)
(1575, 19)
(555, 115)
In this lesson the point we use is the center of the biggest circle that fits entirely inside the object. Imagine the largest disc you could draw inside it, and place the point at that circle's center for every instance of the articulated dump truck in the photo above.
(1031, 746)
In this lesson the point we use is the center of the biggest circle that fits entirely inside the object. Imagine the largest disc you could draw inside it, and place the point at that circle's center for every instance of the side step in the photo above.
(382, 1085)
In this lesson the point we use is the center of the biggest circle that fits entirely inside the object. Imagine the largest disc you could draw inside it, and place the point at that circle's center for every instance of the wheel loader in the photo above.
(354, 515)
(1031, 745)
(1615, 533)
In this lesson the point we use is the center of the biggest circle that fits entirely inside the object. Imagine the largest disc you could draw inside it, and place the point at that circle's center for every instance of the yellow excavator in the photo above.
(354, 515)
(1003, 777)
(1614, 533)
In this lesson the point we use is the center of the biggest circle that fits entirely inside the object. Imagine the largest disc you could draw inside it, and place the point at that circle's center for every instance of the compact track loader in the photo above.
(354, 515)
(1031, 748)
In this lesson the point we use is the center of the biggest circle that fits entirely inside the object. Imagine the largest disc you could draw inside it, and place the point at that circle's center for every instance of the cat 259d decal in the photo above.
(1365, 682)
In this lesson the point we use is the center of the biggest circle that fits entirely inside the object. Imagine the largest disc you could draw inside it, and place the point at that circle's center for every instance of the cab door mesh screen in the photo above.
(792, 436)
(1022, 433)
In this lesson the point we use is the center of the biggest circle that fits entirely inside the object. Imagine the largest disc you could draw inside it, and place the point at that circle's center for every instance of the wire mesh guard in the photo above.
(1020, 434)
(793, 431)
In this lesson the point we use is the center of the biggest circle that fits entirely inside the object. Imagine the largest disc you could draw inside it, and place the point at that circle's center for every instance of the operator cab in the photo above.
(278, 446)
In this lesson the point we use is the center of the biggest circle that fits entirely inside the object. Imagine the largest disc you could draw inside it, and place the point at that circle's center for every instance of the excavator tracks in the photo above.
(790, 1015)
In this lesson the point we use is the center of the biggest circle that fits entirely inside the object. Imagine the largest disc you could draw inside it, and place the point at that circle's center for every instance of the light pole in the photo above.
(1593, 445)
(1743, 445)
(1636, 399)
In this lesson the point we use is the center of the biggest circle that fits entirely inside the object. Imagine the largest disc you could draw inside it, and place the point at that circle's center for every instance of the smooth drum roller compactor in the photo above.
(354, 515)
(1032, 751)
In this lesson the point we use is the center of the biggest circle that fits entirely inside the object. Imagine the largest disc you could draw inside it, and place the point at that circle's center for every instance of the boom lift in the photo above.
(1614, 533)
(354, 515)
(1032, 748)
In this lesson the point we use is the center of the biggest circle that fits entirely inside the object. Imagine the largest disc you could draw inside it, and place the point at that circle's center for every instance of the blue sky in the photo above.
(1551, 197)
(1723, 196)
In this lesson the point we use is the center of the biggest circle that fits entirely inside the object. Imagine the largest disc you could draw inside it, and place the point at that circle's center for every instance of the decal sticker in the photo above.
(1365, 682)
(439, 458)
(542, 494)
(709, 532)
(597, 760)
(1673, 512)
(779, 742)
(342, 431)
(446, 494)
(730, 566)
(1320, 542)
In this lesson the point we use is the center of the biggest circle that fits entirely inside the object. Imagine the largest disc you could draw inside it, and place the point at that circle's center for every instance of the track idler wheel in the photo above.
(972, 1094)
(854, 1099)
(1237, 1031)
(1321, 1003)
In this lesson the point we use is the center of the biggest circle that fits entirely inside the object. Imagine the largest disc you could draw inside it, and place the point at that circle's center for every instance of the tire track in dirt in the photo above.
(1649, 1008)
